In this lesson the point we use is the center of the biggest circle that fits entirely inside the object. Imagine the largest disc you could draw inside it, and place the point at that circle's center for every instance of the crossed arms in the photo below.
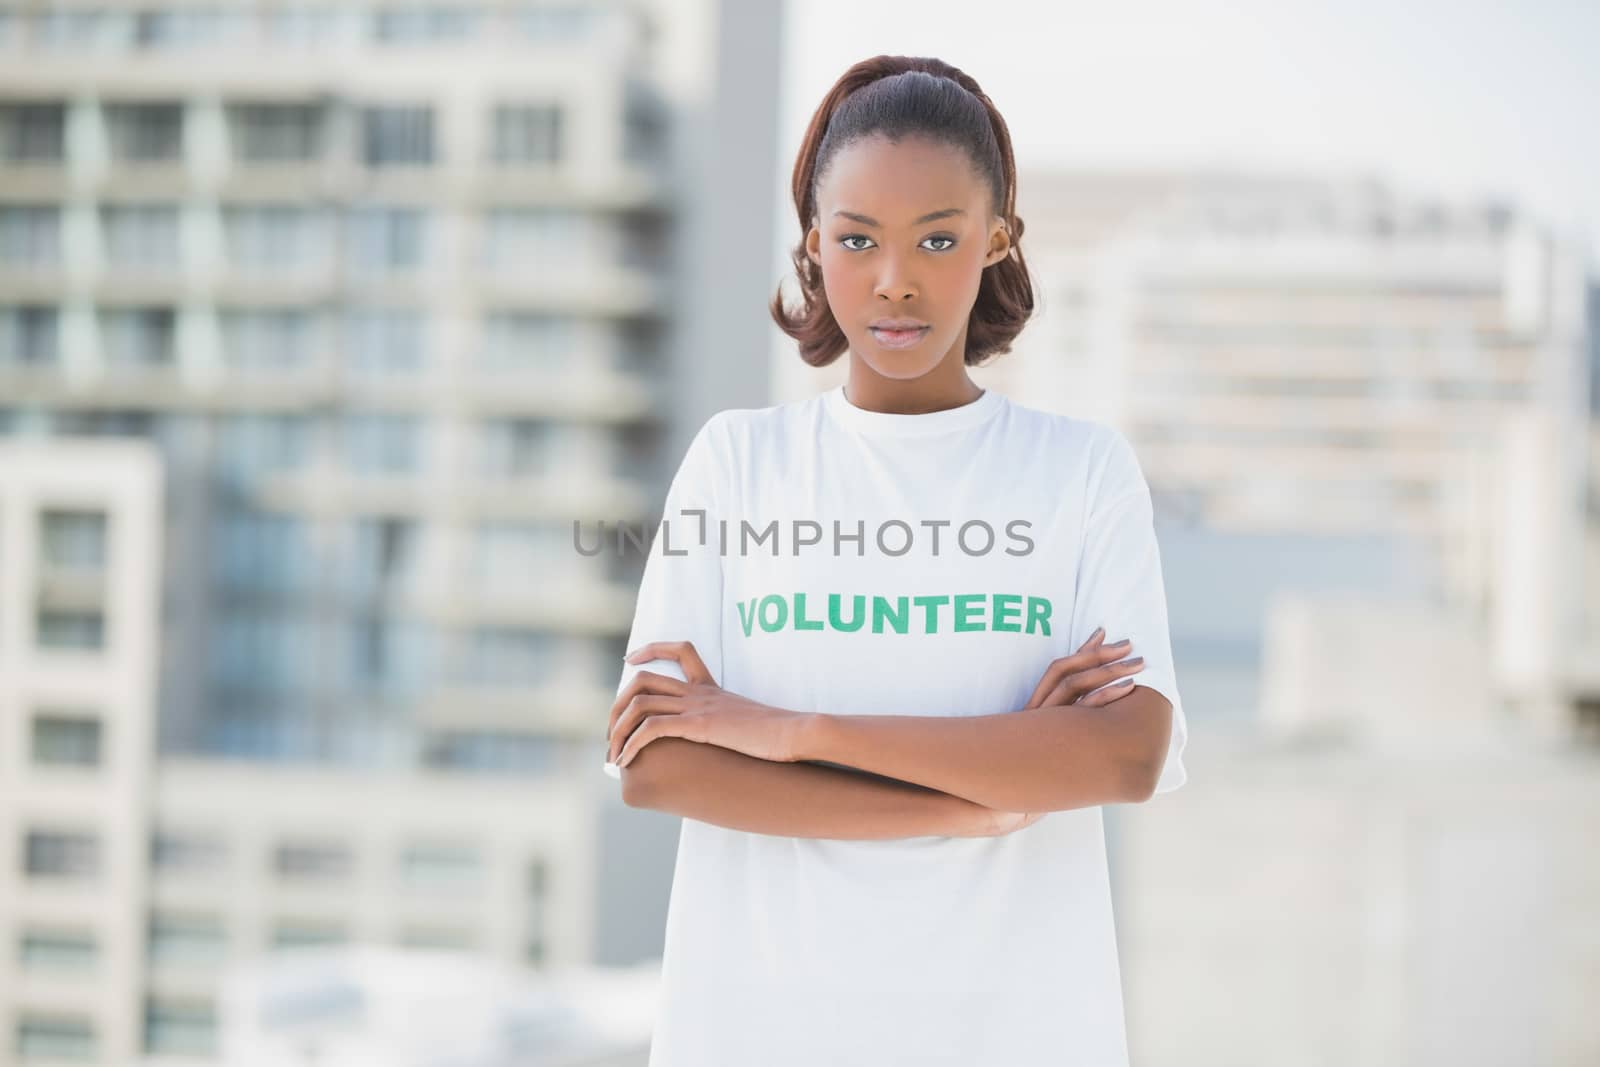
(905, 776)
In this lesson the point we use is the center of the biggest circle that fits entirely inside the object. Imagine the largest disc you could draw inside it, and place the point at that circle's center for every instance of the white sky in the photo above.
(1440, 99)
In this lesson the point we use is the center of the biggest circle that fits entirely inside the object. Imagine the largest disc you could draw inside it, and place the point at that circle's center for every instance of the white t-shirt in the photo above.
(928, 950)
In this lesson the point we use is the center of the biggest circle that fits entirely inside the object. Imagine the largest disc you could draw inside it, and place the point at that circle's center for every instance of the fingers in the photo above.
(638, 710)
(1082, 660)
(694, 668)
(643, 682)
(1075, 687)
(1041, 689)
(653, 729)
(1113, 692)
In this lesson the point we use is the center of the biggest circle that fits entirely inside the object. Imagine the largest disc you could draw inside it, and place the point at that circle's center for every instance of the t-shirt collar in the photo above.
(896, 425)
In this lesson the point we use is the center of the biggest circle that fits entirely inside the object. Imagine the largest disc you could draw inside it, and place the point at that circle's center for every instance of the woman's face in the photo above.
(903, 233)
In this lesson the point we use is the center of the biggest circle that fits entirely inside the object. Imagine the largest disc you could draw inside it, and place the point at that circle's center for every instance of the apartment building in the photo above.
(386, 286)
(80, 580)
(1309, 354)
(391, 294)
(1335, 358)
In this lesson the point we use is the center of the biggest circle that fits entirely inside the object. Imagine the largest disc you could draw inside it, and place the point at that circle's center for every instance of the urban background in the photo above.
(320, 323)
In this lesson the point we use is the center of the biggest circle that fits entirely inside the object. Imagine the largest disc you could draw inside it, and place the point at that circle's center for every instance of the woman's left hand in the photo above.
(655, 706)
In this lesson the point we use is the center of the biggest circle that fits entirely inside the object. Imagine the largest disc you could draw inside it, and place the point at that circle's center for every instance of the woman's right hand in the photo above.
(975, 820)
(1006, 822)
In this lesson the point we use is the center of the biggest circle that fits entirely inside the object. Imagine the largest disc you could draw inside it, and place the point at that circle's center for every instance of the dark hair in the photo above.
(897, 97)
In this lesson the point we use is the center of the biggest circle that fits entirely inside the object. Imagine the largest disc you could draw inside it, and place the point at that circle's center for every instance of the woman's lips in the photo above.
(898, 338)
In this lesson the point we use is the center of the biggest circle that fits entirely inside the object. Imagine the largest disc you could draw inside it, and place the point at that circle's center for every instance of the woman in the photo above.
(869, 665)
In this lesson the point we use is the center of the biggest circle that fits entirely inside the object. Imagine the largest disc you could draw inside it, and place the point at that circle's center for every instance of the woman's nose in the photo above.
(896, 286)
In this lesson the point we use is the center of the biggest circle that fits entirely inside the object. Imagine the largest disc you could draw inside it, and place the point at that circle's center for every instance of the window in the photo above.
(504, 656)
(137, 339)
(172, 852)
(559, 24)
(296, 933)
(141, 235)
(383, 443)
(63, 629)
(441, 867)
(386, 340)
(522, 341)
(57, 950)
(61, 854)
(263, 650)
(33, 133)
(385, 239)
(186, 939)
(505, 753)
(539, 238)
(514, 556)
(30, 235)
(83, 28)
(538, 888)
(263, 551)
(438, 938)
(275, 238)
(250, 446)
(305, 25)
(527, 134)
(29, 335)
(407, 23)
(249, 727)
(115, 423)
(397, 135)
(66, 740)
(180, 1027)
(145, 133)
(644, 129)
(383, 553)
(514, 448)
(57, 1037)
(312, 859)
(186, 27)
(275, 133)
(267, 340)
(73, 539)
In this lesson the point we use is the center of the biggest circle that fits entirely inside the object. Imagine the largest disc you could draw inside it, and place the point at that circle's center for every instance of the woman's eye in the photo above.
(867, 242)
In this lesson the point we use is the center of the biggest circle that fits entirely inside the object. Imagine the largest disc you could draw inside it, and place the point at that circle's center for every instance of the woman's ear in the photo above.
(999, 243)
(814, 245)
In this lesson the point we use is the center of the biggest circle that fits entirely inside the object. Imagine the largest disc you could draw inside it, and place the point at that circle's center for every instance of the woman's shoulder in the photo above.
(1091, 436)
(740, 428)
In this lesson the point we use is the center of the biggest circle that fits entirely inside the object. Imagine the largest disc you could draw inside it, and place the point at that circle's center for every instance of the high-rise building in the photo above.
(396, 293)
(335, 260)
(80, 581)
(1293, 354)
(1328, 357)
(395, 289)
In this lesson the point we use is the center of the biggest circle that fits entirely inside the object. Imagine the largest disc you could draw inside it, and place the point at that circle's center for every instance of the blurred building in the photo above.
(1369, 429)
(1328, 357)
(396, 292)
(397, 1007)
(388, 286)
(1315, 901)
(80, 582)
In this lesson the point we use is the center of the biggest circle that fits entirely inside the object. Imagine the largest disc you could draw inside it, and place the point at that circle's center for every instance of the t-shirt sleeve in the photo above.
(1119, 586)
(680, 591)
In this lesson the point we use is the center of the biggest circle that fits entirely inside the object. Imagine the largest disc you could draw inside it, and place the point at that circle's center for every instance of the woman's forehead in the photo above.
(897, 184)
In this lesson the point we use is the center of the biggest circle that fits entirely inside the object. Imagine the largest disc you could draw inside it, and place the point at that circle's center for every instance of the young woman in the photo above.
(869, 664)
